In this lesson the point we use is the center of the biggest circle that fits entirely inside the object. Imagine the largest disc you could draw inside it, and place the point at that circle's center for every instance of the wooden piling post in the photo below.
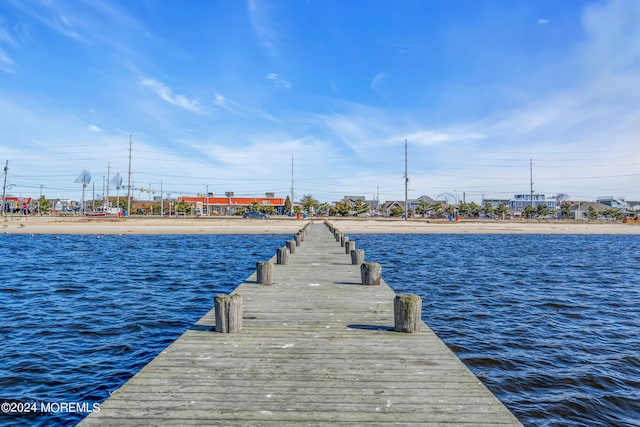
(282, 255)
(338, 236)
(357, 256)
(264, 272)
(370, 273)
(343, 240)
(291, 245)
(407, 313)
(298, 239)
(228, 313)
(349, 246)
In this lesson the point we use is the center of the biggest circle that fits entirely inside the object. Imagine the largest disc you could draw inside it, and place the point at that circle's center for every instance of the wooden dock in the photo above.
(316, 349)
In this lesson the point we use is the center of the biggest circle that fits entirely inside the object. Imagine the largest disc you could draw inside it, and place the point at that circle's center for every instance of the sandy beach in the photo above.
(227, 225)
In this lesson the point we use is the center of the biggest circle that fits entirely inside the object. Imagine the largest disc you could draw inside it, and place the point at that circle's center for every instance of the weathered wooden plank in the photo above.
(316, 348)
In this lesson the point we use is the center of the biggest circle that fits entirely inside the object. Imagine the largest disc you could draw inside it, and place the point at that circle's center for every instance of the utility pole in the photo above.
(103, 194)
(161, 200)
(406, 183)
(291, 184)
(106, 205)
(531, 179)
(39, 209)
(129, 181)
(4, 191)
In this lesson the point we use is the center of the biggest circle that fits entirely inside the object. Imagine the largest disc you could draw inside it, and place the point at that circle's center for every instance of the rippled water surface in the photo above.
(551, 324)
(79, 315)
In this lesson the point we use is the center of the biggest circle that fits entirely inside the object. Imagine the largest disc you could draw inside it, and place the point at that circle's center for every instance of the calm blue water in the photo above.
(550, 323)
(79, 315)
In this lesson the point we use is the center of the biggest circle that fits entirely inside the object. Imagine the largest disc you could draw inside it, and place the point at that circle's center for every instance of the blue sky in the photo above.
(220, 95)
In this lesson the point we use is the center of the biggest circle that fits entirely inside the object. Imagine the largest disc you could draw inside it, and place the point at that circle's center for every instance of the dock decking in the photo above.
(316, 349)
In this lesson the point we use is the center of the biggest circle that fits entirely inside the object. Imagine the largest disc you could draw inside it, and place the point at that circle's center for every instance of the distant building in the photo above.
(613, 202)
(495, 202)
(64, 205)
(351, 202)
(230, 205)
(390, 205)
(520, 201)
(580, 210)
(633, 206)
(17, 204)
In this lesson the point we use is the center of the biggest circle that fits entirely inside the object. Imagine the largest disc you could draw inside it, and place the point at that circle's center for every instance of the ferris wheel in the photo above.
(448, 198)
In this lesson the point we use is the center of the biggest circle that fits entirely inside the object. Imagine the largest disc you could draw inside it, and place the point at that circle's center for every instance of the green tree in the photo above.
(616, 214)
(463, 209)
(542, 211)
(488, 209)
(340, 209)
(360, 207)
(592, 213)
(436, 208)
(474, 209)
(268, 209)
(529, 212)
(183, 207)
(502, 210)
(121, 202)
(397, 211)
(324, 208)
(44, 205)
(565, 210)
(309, 204)
(423, 207)
(287, 205)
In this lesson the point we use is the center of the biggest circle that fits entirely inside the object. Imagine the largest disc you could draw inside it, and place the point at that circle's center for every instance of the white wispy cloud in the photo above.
(377, 81)
(277, 81)
(89, 23)
(260, 18)
(219, 100)
(53, 15)
(6, 63)
(613, 37)
(543, 21)
(5, 37)
(431, 137)
(222, 102)
(166, 93)
(93, 128)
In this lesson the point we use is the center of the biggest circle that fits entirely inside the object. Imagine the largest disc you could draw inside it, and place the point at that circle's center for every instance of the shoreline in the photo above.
(287, 225)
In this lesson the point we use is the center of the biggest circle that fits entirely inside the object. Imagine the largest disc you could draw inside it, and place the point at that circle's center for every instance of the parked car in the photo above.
(255, 215)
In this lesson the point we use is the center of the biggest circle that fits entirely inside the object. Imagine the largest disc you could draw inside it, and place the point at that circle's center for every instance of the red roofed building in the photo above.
(230, 205)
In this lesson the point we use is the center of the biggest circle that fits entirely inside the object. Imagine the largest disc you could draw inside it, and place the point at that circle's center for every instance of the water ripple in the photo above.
(81, 315)
(551, 324)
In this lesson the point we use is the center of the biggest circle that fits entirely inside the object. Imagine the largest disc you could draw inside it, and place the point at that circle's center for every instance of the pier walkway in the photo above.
(316, 349)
